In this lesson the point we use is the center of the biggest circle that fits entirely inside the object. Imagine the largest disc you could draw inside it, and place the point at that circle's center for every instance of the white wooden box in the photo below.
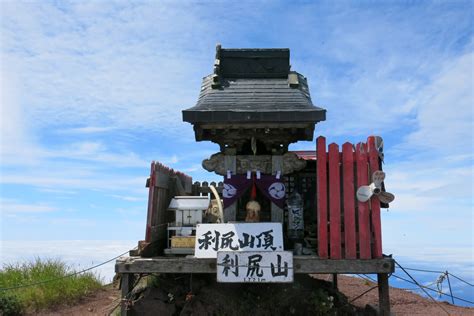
(189, 209)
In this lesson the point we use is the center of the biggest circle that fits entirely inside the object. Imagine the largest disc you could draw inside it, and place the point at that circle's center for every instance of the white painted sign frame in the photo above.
(259, 237)
(255, 267)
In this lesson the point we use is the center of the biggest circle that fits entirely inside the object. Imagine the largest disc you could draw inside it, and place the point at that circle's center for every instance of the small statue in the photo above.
(212, 213)
(253, 212)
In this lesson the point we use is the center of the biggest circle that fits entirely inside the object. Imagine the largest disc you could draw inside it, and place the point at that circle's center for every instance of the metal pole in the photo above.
(449, 284)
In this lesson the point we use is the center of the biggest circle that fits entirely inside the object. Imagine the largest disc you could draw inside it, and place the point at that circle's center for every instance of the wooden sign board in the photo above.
(261, 237)
(255, 267)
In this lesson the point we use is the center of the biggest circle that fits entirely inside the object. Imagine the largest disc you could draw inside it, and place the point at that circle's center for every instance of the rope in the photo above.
(460, 279)
(122, 299)
(367, 277)
(421, 288)
(360, 295)
(433, 290)
(62, 277)
(439, 282)
(441, 272)
(422, 270)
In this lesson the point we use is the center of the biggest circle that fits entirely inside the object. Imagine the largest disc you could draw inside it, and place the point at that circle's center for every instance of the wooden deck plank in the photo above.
(363, 207)
(302, 264)
(349, 201)
(374, 202)
(322, 203)
(334, 203)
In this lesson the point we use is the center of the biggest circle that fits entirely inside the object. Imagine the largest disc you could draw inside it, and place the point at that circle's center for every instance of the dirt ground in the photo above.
(402, 302)
(105, 301)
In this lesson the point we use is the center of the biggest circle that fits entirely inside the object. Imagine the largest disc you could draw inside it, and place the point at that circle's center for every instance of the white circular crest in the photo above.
(277, 190)
(229, 191)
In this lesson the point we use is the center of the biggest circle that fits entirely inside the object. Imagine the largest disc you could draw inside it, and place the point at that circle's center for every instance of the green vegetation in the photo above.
(62, 291)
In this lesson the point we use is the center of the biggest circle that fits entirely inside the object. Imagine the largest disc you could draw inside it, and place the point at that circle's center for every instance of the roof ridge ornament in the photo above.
(216, 79)
(293, 79)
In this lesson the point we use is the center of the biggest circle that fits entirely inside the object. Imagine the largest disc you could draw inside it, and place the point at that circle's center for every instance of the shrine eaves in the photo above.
(253, 100)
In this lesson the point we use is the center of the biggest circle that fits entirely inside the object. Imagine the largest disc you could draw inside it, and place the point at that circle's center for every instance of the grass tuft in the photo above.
(34, 298)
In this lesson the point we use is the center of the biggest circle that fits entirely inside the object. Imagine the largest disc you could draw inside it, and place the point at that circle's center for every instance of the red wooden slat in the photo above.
(334, 203)
(151, 191)
(363, 207)
(374, 201)
(322, 214)
(349, 201)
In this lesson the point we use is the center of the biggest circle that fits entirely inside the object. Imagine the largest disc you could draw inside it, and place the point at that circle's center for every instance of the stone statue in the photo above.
(253, 212)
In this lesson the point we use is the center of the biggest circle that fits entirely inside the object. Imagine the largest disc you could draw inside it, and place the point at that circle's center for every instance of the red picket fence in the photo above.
(347, 228)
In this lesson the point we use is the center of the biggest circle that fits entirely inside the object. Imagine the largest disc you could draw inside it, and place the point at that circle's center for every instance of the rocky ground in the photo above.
(173, 296)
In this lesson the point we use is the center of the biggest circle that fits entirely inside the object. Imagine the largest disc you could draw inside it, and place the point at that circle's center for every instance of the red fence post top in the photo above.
(321, 140)
(347, 148)
(371, 144)
(152, 174)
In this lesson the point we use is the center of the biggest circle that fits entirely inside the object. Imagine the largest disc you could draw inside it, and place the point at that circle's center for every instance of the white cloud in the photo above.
(94, 88)
(76, 179)
(128, 198)
(77, 222)
(103, 68)
(85, 130)
(9, 207)
(445, 110)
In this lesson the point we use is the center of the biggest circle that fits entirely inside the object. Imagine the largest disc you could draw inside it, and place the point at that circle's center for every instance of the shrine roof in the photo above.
(254, 85)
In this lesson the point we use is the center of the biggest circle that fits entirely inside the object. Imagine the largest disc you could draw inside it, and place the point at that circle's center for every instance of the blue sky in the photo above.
(92, 91)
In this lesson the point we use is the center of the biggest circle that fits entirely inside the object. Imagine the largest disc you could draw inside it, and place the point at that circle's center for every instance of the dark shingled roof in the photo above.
(254, 85)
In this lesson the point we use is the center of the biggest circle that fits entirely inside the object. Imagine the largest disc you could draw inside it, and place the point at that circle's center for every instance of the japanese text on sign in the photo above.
(254, 267)
(211, 238)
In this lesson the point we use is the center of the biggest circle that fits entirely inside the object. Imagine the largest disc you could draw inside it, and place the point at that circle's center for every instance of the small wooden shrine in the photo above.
(326, 202)
(253, 105)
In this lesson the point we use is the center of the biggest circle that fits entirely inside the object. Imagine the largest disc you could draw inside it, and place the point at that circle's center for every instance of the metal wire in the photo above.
(460, 279)
(423, 270)
(433, 290)
(360, 295)
(421, 287)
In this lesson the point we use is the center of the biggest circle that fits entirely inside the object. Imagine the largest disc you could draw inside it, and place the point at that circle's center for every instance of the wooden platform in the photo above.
(302, 264)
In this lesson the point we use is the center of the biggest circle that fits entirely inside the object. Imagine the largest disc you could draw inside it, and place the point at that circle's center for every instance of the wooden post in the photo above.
(374, 202)
(363, 207)
(384, 297)
(322, 202)
(126, 285)
(334, 281)
(349, 205)
(334, 203)
(151, 209)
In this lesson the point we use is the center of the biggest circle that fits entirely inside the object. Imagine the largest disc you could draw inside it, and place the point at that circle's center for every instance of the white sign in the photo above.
(211, 238)
(254, 267)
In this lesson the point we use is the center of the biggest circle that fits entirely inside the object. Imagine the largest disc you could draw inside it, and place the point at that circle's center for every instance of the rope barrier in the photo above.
(441, 272)
(122, 300)
(370, 279)
(422, 270)
(63, 277)
(460, 279)
(428, 288)
(421, 288)
(360, 295)
(444, 275)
